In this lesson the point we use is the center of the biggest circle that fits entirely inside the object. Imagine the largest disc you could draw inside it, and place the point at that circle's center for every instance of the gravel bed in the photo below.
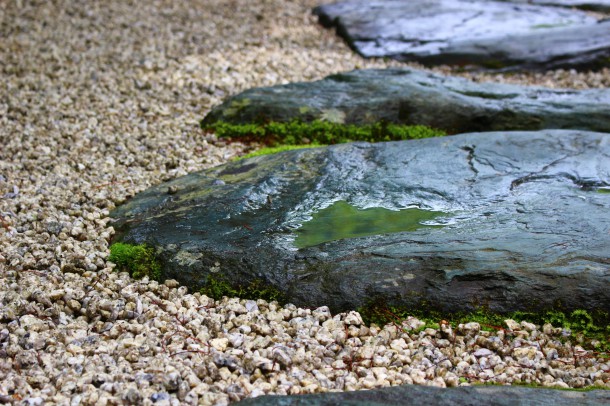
(100, 100)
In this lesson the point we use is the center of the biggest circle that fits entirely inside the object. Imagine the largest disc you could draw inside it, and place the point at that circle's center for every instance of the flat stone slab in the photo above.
(411, 96)
(513, 221)
(494, 35)
(427, 395)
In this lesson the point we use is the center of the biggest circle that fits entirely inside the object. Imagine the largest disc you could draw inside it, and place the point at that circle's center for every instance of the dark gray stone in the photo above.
(495, 35)
(599, 5)
(526, 222)
(412, 96)
(426, 395)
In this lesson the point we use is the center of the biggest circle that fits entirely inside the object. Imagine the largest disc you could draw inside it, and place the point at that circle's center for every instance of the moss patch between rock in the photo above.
(275, 150)
(590, 329)
(319, 132)
(217, 287)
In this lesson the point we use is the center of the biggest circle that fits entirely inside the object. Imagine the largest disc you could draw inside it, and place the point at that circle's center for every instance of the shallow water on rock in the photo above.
(342, 220)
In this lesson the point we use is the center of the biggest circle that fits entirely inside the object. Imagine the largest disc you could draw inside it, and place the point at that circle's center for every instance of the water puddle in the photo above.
(341, 220)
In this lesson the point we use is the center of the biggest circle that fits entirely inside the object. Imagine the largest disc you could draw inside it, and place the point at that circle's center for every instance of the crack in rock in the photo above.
(538, 175)
(470, 158)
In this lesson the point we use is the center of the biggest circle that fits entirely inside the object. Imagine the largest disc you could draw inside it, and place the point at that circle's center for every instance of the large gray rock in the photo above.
(412, 96)
(426, 395)
(496, 35)
(514, 221)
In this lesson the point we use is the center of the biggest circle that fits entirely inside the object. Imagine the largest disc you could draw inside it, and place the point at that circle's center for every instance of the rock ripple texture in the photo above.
(496, 35)
(525, 222)
(411, 96)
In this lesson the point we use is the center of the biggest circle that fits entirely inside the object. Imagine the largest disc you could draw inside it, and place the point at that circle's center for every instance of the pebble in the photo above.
(102, 100)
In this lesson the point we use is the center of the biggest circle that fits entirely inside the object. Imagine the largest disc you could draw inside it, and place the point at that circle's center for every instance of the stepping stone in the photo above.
(411, 96)
(513, 220)
(494, 35)
(427, 395)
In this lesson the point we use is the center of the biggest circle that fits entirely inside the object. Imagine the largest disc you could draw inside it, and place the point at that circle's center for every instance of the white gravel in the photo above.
(100, 100)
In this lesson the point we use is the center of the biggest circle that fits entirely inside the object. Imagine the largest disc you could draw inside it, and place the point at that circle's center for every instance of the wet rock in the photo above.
(496, 35)
(511, 220)
(419, 395)
(411, 96)
(599, 5)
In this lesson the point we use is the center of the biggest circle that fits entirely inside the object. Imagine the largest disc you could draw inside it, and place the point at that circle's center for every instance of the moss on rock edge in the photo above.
(217, 286)
(591, 329)
(319, 132)
(138, 260)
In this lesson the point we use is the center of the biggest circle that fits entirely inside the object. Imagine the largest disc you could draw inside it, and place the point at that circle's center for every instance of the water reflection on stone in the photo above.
(342, 220)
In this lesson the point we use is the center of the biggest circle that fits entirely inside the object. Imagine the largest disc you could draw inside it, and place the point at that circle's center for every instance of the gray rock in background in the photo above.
(411, 96)
(426, 395)
(494, 35)
(525, 227)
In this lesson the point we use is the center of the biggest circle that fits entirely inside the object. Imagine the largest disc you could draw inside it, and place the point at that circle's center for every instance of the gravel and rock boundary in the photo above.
(100, 100)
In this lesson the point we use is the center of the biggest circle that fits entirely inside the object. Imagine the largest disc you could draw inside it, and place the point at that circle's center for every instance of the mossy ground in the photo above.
(138, 260)
(274, 134)
(275, 150)
(217, 287)
(590, 329)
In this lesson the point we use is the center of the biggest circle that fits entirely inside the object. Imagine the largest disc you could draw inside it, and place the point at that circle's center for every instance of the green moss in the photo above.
(319, 132)
(342, 220)
(138, 260)
(218, 286)
(379, 312)
(592, 328)
(275, 150)
(537, 386)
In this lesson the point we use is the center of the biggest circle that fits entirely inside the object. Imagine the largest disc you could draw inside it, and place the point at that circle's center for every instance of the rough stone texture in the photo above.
(412, 96)
(426, 395)
(526, 225)
(495, 35)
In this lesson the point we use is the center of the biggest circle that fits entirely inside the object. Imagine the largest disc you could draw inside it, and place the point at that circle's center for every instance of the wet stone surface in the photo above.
(412, 96)
(342, 220)
(494, 35)
(524, 224)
